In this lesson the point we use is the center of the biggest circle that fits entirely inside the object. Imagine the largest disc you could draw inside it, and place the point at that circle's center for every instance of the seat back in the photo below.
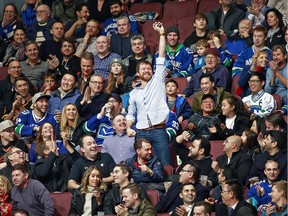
(190, 100)
(151, 46)
(245, 191)
(216, 148)
(62, 203)
(278, 100)
(150, 34)
(154, 196)
(176, 10)
(3, 72)
(168, 170)
(148, 6)
(185, 27)
(207, 6)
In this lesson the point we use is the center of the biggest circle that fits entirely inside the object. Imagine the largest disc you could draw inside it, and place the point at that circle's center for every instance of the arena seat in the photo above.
(185, 27)
(154, 196)
(62, 203)
(150, 34)
(3, 72)
(151, 47)
(178, 10)
(148, 6)
(168, 170)
(216, 148)
(207, 5)
(278, 101)
(190, 100)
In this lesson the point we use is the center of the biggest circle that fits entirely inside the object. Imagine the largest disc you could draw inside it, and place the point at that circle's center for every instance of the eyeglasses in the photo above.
(96, 83)
(253, 81)
(17, 152)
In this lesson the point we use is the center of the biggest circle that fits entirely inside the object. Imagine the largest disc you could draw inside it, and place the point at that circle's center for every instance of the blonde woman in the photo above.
(71, 124)
(28, 11)
(88, 198)
(6, 203)
(259, 64)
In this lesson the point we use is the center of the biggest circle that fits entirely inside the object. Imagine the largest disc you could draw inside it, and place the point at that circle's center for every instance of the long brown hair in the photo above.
(39, 139)
(17, 15)
(112, 80)
(85, 179)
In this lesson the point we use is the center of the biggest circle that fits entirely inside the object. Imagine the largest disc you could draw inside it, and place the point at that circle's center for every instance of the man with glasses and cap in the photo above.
(29, 121)
(8, 140)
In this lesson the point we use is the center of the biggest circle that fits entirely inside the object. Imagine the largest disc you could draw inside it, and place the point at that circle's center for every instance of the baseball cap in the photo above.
(38, 96)
(6, 124)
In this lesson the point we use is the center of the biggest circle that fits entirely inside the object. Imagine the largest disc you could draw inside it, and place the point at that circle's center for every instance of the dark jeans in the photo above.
(159, 141)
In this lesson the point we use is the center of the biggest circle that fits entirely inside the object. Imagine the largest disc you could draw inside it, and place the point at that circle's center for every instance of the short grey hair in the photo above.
(138, 37)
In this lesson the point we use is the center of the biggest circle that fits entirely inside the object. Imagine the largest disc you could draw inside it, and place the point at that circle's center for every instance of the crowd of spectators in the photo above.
(87, 108)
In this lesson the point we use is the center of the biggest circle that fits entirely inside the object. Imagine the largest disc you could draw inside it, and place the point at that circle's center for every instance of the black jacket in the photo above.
(87, 111)
(53, 171)
(78, 202)
(241, 123)
(231, 20)
(240, 162)
(222, 209)
(276, 39)
(191, 40)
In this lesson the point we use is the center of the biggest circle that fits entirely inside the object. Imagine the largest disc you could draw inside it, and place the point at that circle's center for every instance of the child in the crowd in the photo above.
(49, 83)
(176, 104)
(117, 83)
(201, 46)
(216, 41)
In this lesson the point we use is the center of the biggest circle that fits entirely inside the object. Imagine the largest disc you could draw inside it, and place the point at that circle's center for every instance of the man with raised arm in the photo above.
(148, 103)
